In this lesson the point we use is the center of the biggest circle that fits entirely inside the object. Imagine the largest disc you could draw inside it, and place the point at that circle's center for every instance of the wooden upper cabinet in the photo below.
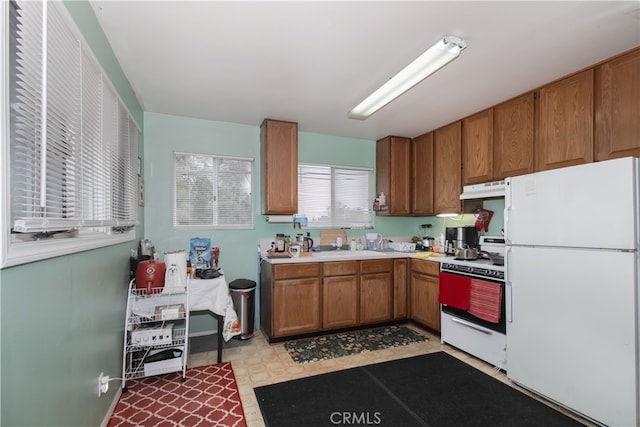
(393, 174)
(617, 107)
(422, 174)
(477, 148)
(564, 128)
(279, 162)
(513, 137)
(447, 176)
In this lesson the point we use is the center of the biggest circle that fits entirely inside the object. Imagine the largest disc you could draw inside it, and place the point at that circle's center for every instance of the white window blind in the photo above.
(212, 191)
(72, 144)
(332, 196)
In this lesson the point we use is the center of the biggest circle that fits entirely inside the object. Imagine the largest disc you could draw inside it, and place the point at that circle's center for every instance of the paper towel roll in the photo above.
(175, 278)
(280, 219)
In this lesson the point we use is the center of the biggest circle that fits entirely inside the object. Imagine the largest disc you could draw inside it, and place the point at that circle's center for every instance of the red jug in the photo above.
(150, 275)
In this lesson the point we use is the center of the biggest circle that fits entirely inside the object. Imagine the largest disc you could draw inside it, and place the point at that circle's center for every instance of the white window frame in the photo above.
(216, 225)
(333, 224)
(23, 248)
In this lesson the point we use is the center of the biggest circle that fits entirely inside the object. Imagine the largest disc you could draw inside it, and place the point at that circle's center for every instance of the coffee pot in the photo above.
(305, 242)
(458, 237)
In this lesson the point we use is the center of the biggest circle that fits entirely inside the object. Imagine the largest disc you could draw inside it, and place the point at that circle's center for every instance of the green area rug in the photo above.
(332, 346)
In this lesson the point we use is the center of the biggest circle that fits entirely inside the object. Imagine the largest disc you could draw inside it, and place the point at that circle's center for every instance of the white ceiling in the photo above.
(311, 62)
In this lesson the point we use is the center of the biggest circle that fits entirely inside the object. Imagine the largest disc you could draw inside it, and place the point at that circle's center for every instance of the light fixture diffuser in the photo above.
(445, 50)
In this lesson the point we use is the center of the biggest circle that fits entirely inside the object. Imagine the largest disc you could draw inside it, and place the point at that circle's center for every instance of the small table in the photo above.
(213, 295)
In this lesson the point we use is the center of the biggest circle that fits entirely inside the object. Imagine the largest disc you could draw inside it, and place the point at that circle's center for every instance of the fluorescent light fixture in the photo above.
(447, 215)
(447, 49)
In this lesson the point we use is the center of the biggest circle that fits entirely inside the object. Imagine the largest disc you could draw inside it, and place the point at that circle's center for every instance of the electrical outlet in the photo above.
(103, 384)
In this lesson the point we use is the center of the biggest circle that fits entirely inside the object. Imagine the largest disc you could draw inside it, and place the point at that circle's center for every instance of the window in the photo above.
(212, 191)
(332, 196)
(71, 149)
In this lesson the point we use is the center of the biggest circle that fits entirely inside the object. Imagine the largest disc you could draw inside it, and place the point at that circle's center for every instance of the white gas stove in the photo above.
(493, 244)
(480, 333)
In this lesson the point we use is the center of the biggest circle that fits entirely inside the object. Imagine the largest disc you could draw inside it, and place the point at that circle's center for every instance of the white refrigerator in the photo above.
(572, 294)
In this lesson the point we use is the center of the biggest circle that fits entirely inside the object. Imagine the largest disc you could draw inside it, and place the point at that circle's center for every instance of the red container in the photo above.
(150, 275)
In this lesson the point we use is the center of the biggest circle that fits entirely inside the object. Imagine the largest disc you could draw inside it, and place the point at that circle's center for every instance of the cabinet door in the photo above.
(425, 307)
(477, 148)
(422, 175)
(400, 288)
(376, 298)
(279, 161)
(618, 107)
(564, 134)
(296, 306)
(447, 179)
(393, 174)
(339, 301)
(513, 137)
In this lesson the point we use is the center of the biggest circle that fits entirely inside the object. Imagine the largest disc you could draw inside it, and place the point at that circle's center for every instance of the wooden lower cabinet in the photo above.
(296, 306)
(400, 288)
(424, 289)
(291, 299)
(376, 291)
(309, 298)
(340, 294)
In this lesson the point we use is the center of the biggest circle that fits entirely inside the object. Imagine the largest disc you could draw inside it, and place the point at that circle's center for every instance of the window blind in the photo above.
(74, 147)
(212, 191)
(335, 196)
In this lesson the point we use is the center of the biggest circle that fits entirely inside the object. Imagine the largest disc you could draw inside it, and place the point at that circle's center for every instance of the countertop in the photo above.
(347, 255)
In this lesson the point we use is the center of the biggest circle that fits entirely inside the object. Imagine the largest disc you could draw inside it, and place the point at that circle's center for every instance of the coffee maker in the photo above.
(461, 237)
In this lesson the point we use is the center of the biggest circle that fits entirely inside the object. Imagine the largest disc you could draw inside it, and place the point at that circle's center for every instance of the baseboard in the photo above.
(112, 407)
(202, 333)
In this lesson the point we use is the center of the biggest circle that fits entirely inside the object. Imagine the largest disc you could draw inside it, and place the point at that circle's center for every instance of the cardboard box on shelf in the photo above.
(170, 312)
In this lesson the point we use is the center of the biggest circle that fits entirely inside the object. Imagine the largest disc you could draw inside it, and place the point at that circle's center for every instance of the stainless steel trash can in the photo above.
(243, 295)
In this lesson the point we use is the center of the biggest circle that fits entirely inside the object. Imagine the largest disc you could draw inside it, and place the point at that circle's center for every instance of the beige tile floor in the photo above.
(259, 363)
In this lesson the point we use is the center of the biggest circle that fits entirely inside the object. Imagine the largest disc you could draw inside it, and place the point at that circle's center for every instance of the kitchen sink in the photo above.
(346, 254)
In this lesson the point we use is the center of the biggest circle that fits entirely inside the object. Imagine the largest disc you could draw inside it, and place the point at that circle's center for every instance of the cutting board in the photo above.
(329, 236)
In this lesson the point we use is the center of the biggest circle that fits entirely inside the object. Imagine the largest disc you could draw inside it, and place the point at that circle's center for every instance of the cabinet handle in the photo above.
(471, 325)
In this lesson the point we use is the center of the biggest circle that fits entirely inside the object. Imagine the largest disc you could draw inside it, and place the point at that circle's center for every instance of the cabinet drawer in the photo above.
(340, 268)
(431, 268)
(291, 271)
(376, 266)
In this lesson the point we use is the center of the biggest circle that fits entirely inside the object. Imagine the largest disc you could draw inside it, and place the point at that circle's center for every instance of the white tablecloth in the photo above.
(204, 294)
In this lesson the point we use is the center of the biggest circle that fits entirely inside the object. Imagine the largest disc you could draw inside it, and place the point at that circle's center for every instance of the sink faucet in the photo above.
(338, 243)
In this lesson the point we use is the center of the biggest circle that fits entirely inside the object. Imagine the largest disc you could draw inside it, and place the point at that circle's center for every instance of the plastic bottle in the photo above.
(353, 245)
(383, 201)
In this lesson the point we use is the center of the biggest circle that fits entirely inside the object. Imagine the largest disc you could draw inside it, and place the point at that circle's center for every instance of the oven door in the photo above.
(456, 300)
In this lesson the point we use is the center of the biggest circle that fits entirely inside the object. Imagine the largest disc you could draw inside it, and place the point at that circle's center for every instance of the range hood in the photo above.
(483, 191)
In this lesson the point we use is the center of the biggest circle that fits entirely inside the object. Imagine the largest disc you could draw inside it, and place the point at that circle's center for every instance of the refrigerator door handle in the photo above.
(507, 287)
(507, 210)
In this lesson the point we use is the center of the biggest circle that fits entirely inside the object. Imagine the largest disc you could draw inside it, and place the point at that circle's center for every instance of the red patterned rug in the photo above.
(209, 397)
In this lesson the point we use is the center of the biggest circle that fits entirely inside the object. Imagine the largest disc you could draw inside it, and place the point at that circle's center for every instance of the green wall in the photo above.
(62, 319)
(166, 134)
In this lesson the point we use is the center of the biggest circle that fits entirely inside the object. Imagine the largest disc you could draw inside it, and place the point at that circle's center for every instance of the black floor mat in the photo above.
(435, 390)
